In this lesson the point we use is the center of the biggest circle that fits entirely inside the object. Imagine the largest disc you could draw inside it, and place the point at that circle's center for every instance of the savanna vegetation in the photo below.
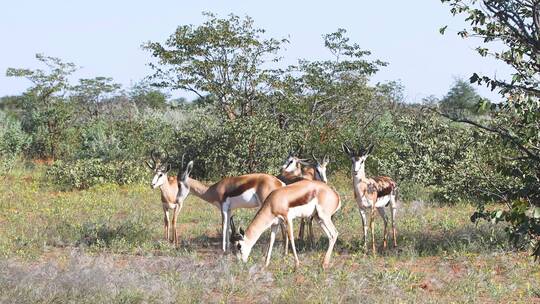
(78, 218)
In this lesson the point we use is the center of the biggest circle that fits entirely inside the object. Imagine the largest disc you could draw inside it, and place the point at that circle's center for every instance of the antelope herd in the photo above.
(300, 191)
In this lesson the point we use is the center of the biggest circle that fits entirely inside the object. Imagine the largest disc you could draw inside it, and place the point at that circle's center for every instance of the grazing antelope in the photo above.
(375, 193)
(169, 188)
(245, 191)
(303, 199)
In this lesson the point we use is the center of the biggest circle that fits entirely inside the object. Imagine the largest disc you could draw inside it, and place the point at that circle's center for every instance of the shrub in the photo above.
(240, 146)
(84, 173)
(13, 141)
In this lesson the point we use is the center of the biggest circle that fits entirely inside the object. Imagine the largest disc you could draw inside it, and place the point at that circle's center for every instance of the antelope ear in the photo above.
(304, 162)
(242, 233)
(168, 168)
(369, 149)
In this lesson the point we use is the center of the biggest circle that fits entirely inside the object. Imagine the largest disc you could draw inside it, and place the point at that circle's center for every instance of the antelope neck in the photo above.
(262, 221)
(199, 189)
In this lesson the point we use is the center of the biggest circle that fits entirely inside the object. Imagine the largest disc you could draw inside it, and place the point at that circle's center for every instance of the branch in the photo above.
(501, 132)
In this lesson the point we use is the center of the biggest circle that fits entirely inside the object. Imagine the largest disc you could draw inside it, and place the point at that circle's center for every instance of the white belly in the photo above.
(248, 199)
(305, 210)
(363, 202)
(382, 201)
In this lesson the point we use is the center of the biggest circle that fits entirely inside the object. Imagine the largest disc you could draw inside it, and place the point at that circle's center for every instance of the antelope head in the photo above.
(358, 157)
(160, 168)
(238, 239)
(320, 167)
(183, 186)
(292, 162)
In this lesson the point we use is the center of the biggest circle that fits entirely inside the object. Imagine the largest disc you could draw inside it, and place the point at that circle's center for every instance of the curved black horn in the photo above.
(152, 165)
(234, 235)
(314, 158)
(153, 155)
(166, 157)
(346, 149)
(233, 227)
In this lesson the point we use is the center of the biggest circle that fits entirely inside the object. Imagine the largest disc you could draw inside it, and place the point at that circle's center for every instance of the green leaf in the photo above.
(443, 29)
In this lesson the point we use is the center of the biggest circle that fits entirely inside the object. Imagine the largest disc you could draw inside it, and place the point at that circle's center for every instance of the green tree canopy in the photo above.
(89, 93)
(462, 97)
(46, 112)
(227, 58)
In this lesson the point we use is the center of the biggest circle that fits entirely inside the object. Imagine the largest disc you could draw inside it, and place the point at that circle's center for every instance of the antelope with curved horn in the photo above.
(301, 199)
(292, 172)
(375, 193)
(315, 171)
(245, 191)
(169, 188)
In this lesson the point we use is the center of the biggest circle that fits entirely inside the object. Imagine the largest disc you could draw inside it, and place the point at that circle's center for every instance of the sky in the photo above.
(104, 37)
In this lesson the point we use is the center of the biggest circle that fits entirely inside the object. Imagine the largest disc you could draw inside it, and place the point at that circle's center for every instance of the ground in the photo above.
(104, 245)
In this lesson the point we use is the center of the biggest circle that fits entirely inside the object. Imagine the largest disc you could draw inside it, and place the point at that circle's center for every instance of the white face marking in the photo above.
(321, 172)
(242, 250)
(357, 162)
(159, 179)
(290, 164)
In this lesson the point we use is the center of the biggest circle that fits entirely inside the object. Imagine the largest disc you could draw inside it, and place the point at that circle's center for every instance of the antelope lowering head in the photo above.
(358, 157)
(237, 238)
(160, 168)
(320, 168)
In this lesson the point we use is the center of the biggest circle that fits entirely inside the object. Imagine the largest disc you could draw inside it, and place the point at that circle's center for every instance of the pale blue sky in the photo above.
(104, 37)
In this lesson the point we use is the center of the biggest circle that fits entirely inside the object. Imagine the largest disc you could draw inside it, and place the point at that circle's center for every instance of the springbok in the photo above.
(292, 172)
(169, 189)
(245, 191)
(375, 193)
(303, 199)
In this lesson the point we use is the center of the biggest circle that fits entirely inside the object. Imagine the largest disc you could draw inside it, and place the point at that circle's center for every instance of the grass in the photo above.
(104, 245)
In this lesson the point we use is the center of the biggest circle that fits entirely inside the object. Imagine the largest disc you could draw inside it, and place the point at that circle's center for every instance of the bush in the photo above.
(221, 148)
(13, 141)
(84, 173)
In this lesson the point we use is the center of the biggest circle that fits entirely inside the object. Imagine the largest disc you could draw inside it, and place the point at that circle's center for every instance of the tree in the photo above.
(226, 58)
(462, 97)
(89, 93)
(145, 96)
(515, 24)
(319, 98)
(46, 112)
